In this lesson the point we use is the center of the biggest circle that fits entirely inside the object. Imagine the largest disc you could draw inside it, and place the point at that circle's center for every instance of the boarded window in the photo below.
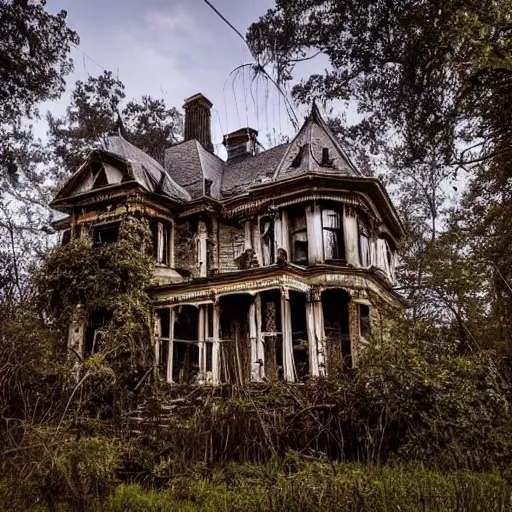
(332, 235)
(364, 242)
(299, 238)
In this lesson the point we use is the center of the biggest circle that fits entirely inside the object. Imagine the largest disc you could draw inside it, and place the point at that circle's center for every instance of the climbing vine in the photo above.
(82, 277)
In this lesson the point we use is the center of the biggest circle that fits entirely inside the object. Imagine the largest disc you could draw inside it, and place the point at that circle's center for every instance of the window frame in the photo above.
(338, 232)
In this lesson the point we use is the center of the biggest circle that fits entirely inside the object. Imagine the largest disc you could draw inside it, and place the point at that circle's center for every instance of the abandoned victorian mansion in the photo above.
(274, 264)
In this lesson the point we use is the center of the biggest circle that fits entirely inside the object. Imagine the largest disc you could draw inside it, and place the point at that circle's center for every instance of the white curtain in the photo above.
(351, 236)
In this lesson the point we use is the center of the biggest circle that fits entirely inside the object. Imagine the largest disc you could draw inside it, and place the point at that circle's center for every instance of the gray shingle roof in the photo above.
(190, 164)
(241, 173)
(147, 171)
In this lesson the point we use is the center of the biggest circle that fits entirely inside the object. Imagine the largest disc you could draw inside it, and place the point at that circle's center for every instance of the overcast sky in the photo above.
(172, 49)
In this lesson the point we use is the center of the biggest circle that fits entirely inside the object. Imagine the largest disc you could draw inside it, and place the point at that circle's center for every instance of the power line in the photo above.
(226, 20)
(289, 107)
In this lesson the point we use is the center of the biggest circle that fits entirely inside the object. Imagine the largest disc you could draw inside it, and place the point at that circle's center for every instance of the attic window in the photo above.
(208, 187)
(326, 160)
(298, 159)
(96, 167)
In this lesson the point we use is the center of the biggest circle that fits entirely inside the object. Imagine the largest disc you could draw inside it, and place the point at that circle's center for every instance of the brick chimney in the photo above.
(243, 142)
(197, 120)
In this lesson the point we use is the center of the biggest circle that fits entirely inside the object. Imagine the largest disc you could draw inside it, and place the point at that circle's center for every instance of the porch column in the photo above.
(314, 227)
(312, 341)
(289, 373)
(318, 318)
(201, 344)
(253, 336)
(216, 344)
(260, 350)
(157, 332)
(170, 352)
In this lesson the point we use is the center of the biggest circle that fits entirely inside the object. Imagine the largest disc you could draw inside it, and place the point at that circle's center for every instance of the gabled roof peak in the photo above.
(315, 149)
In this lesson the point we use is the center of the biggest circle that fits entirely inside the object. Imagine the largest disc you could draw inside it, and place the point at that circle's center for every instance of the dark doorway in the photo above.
(299, 334)
(335, 304)
(185, 359)
(235, 349)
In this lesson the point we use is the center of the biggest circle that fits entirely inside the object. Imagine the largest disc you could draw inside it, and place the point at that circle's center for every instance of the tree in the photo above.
(432, 82)
(33, 64)
(95, 112)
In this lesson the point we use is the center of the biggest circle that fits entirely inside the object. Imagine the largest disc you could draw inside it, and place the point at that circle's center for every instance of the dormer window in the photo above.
(326, 159)
(298, 159)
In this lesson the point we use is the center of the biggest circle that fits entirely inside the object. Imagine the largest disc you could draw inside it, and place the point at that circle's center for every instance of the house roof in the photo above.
(146, 170)
(122, 162)
(190, 164)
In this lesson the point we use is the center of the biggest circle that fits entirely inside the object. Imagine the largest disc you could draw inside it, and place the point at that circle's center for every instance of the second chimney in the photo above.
(197, 120)
(243, 142)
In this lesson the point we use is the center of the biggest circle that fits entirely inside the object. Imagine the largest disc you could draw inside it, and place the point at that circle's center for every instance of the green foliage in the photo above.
(35, 48)
(79, 278)
(310, 487)
(96, 111)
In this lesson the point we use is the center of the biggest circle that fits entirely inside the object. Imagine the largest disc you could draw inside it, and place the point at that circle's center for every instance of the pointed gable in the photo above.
(119, 162)
(315, 149)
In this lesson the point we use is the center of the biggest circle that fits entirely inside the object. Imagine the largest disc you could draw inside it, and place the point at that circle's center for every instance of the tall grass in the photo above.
(326, 487)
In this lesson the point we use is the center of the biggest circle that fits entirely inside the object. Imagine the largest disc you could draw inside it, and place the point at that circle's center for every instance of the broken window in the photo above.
(364, 322)
(332, 235)
(335, 305)
(96, 326)
(299, 238)
(364, 242)
(160, 232)
(106, 234)
(164, 332)
(66, 237)
(267, 240)
(185, 360)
